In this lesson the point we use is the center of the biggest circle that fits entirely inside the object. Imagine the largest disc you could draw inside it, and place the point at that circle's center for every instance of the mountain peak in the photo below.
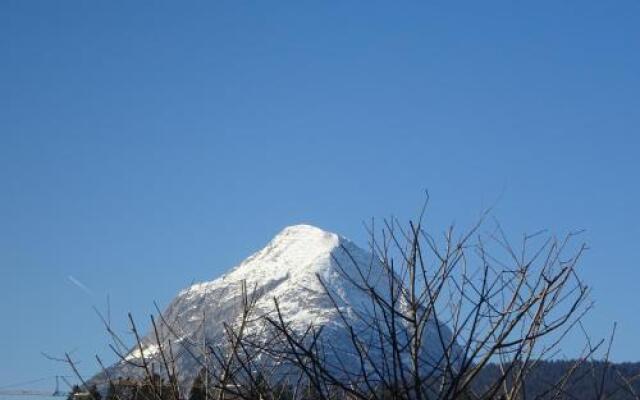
(302, 229)
(296, 253)
(310, 237)
(295, 249)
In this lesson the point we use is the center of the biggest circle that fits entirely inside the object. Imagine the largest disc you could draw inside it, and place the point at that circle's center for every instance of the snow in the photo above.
(297, 251)
(148, 352)
(289, 265)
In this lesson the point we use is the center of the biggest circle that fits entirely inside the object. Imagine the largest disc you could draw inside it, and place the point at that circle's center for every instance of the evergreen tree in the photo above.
(94, 393)
(148, 390)
(111, 392)
(198, 390)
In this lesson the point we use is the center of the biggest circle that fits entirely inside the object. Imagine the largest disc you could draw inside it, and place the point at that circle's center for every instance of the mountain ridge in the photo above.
(289, 268)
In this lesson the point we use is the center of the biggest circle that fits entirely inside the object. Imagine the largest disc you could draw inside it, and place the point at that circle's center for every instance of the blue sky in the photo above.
(147, 145)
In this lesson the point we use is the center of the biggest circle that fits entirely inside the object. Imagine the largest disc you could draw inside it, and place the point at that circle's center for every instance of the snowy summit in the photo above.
(286, 268)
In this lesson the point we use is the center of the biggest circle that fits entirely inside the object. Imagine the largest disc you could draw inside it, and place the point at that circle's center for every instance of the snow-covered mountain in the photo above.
(287, 269)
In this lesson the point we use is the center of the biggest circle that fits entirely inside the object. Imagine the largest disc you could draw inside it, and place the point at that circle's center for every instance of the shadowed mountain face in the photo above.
(288, 269)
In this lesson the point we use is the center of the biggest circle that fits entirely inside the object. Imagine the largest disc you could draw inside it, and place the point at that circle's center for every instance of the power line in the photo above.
(13, 385)
(25, 383)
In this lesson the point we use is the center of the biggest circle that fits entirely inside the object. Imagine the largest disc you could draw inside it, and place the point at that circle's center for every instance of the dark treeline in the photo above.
(592, 380)
(589, 380)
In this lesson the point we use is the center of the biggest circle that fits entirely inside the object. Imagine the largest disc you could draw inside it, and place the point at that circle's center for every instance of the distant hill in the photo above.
(615, 381)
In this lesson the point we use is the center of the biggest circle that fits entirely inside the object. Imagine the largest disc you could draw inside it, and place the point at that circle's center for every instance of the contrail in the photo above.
(80, 285)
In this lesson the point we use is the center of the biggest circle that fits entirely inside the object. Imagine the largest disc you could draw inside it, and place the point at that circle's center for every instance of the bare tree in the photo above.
(442, 308)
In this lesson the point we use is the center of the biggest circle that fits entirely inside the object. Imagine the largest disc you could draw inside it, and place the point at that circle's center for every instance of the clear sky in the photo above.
(145, 145)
